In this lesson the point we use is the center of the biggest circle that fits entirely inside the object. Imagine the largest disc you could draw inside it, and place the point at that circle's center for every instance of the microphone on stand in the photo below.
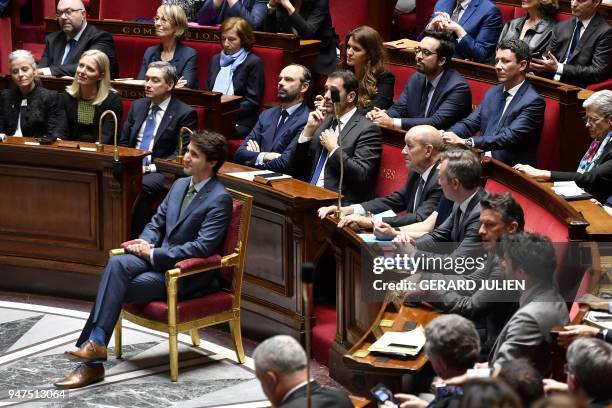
(335, 97)
(307, 279)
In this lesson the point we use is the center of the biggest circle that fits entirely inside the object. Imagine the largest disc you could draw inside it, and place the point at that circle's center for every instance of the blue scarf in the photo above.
(229, 64)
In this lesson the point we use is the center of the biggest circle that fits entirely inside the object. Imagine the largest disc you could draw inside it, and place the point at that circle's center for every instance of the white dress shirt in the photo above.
(560, 65)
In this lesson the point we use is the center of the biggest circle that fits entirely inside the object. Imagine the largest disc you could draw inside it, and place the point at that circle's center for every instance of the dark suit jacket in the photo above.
(264, 134)
(253, 11)
(514, 138)
(361, 144)
(185, 61)
(44, 116)
(312, 22)
(538, 38)
(592, 56)
(383, 98)
(91, 39)
(597, 182)
(453, 240)
(483, 23)
(248, 82)
(451, 101)
(527, 333)
(403, 200)
(321, 397)
(176, 116)
(112, 102)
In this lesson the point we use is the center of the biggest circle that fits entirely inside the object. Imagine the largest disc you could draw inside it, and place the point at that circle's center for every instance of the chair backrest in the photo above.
(127, 10)
(236, 238)
(344, 21)
(6, 43)
(402, 76)
(392, 173)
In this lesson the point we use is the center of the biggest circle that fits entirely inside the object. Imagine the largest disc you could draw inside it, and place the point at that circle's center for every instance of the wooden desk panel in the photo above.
(63, 210)
(285, 232)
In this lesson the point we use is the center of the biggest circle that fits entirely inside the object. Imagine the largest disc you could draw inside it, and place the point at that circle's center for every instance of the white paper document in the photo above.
(600, 319)
(568, 189)
(409, 343)
(250, 175)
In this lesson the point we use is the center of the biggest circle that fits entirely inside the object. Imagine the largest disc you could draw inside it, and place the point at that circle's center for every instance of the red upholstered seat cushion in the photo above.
(392, 173)
(190, 309)
(537, 218)
(548, 153)
(607, 84)
(402, 76)
(406, 22)
(130, 51)
(128, 10)
(344, 20)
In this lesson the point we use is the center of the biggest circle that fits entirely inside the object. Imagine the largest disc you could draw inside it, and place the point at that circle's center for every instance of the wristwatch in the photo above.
(469, 142)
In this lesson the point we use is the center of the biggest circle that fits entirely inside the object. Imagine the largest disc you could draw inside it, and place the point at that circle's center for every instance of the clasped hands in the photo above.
(286, 4)
(443, 22)
(140, 248)
(380, 117)
(253, 146)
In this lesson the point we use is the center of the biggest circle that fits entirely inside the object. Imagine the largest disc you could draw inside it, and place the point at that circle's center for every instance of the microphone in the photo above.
(179, 156)
(335, 97)
(307, 279)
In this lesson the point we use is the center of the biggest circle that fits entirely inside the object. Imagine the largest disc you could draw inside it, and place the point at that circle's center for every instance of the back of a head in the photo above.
(590, 361)
(489, 393)
(531, 252)
(464, 166)
(281, 354)
(524, 379)
(454, 339)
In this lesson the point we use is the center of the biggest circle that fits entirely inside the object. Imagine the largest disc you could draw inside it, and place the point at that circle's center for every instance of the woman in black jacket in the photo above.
(90, 95)
(594, 173)
(365, 56)
(29, 109)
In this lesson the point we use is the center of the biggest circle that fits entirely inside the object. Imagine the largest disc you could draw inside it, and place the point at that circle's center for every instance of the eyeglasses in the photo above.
(426, 53)
(590, 120)
(67, 12)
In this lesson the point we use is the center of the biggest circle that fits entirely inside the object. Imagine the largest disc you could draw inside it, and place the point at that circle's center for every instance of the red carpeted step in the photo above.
(323, 332)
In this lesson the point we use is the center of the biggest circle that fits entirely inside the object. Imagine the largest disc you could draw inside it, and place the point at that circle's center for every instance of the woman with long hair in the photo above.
(88, 96)
(366, 56)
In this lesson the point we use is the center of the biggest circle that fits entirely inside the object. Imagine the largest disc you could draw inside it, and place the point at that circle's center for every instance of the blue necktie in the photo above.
(575, 40)
(322, 160)
(147, 135)
(71, 47)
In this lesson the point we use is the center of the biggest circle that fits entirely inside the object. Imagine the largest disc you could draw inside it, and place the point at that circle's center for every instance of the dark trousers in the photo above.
(152, 189)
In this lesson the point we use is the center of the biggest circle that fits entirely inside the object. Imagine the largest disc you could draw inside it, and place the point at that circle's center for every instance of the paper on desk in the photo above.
(371, 239)
(568, 189)
(592, 317)
(250, 175)
(377, 218)
(410, 342)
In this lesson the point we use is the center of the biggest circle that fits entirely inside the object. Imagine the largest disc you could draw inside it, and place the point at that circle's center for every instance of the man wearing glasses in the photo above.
(63, 49)
(436, 95)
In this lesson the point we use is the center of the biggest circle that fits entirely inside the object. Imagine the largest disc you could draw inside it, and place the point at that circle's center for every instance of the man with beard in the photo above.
(418, 198)
(273, 139)
(436, 95)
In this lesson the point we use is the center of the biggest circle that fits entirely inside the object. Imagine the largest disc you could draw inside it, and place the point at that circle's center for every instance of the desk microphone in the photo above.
(307, 279)
(335, 97)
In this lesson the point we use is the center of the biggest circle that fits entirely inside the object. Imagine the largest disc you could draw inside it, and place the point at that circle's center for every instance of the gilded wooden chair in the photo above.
(174, 316)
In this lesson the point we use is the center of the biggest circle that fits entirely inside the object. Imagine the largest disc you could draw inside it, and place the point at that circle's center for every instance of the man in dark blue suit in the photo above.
(154, 124)
(273, 139)
(476, 25)
(190, 223)
(511, 115)
(216, 11)
(436, 95)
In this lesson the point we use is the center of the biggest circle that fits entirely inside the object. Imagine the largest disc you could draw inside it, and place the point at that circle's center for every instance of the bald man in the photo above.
(64, 48)
(419, 197)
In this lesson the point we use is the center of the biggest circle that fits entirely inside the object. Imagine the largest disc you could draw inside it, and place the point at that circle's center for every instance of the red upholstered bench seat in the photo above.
(402, 76)
(6, 43)
(392, 173)
(191, 309)
(509, 12)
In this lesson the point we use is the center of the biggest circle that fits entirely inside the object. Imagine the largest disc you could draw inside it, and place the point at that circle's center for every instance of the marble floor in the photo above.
(35, 330)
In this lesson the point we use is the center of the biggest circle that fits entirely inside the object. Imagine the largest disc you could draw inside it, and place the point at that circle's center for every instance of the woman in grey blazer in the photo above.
(535, 28)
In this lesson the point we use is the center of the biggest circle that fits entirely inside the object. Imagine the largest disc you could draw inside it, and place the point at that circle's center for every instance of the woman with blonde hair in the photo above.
(89, 95)
(366, 56)
(535, 27)
(237, 71)
(29, 109)
(170, 26)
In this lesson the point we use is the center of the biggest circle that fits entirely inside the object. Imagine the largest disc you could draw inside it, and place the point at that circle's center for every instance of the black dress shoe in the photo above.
(83, 375)
(89, 351)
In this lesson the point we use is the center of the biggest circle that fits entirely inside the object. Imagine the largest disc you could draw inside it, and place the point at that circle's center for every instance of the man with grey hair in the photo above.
(63, 49)
(452, 346)
(154, 124)
(589, 371)
(418, 198)
(280, 367)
